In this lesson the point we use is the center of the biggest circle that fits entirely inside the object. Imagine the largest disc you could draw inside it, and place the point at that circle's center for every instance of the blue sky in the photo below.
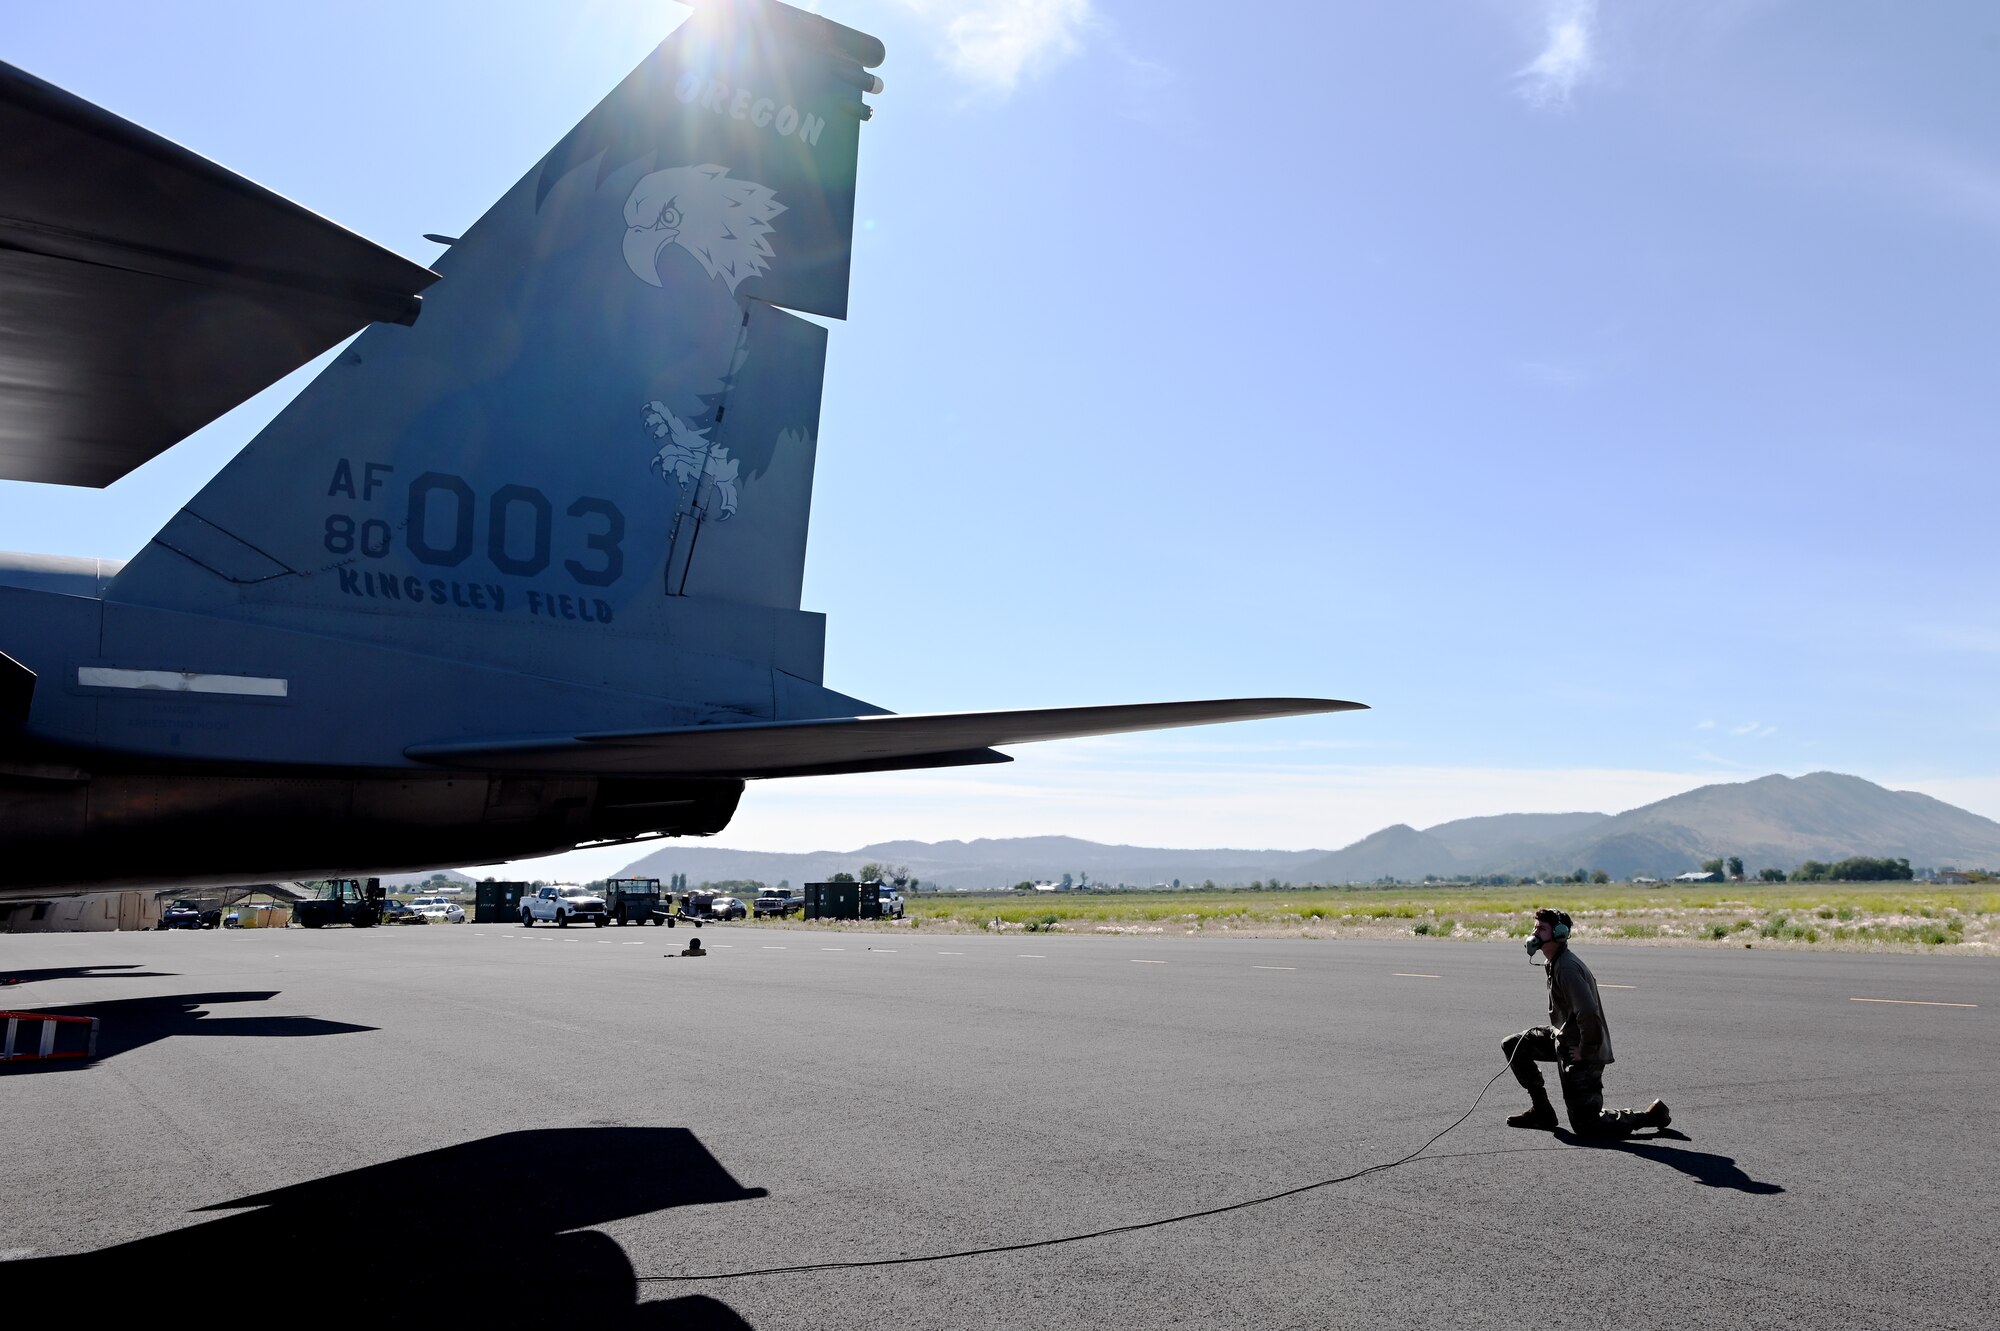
(1601, 391)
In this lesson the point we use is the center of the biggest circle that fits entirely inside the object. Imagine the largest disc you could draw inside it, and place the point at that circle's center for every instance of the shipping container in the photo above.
(496, 902)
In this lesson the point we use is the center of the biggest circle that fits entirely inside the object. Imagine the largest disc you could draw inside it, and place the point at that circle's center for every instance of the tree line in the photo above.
(1854, 869)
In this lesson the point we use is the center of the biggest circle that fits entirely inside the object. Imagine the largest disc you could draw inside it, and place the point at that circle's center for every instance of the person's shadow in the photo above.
(1715, 1171)
(479, 1234)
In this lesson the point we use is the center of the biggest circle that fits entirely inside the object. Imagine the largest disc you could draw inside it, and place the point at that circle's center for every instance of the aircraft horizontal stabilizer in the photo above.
(144, 290)
(843, 744)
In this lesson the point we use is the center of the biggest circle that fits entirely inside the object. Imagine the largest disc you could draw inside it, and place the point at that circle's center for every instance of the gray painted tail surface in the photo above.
(603, 410)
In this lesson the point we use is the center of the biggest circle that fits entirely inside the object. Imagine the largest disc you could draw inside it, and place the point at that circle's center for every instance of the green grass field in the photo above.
(1868, 916)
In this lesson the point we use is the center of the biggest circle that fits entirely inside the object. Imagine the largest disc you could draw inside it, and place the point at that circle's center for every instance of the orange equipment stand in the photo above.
(48, 1042)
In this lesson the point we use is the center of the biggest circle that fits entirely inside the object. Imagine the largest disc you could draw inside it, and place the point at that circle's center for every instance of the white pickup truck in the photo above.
(562, 903)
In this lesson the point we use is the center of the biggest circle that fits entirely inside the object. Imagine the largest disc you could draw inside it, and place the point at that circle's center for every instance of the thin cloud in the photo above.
(1146, 85)
(1904, 169)
(1753, 729)
(994, 44)
(1959, 638)
(1568, 56)
(1553, 373)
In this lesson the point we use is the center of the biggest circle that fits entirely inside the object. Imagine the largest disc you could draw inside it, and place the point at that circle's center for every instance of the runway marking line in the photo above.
(772, 947)
(1910, 1002)
(1144, 961)
(1033, 956)
(951, 954)
(1414, 975)
(882, 949)
(1617, 986)
(833, 949)
(1274, 968)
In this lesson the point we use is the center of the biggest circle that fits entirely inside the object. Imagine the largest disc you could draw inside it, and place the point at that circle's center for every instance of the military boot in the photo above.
(1540, 1114)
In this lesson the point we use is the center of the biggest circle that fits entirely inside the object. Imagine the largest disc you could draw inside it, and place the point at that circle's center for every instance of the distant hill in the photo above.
(1772, 822)
(1777, 822)
(1502, 833)
(396, 882)
(1466, 846)
(1400, 851)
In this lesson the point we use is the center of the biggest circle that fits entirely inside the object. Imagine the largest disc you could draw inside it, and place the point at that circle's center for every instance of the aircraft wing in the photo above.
(144, 290)
(843, 744)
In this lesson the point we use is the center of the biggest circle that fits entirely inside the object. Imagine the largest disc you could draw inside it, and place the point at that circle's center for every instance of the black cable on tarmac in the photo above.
(1098, 1233)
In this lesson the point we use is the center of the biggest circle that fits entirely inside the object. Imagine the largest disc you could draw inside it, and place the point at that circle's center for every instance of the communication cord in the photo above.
(1102, 1233)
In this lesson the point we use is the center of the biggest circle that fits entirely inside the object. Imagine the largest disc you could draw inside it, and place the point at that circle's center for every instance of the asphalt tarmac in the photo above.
(487, 1124)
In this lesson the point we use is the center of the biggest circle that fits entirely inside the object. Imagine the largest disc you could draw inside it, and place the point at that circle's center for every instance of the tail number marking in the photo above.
(441, 527)
(604, 543)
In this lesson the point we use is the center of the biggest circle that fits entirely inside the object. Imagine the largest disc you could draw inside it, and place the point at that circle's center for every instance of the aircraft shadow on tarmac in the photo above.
(125, 1024)
(123, 971)
(372, 1243)
(1716, 1171)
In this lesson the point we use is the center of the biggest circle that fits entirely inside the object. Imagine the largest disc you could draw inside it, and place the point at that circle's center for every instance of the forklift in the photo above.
(342, 901)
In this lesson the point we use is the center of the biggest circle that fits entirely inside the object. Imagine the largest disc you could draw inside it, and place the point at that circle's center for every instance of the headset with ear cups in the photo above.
(1559, 926)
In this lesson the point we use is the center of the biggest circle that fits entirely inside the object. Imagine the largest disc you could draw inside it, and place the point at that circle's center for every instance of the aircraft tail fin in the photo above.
(607, 405)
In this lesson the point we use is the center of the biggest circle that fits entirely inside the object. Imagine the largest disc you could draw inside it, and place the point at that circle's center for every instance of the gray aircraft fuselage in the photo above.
(285, 760)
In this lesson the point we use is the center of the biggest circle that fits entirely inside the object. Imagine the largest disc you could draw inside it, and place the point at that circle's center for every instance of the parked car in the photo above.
(395, 912)
(727, 908)
(190, 915)
(438, 908)
(892, 902)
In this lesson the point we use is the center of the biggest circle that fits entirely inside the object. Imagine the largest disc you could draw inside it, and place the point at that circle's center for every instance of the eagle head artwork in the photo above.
(723, 223)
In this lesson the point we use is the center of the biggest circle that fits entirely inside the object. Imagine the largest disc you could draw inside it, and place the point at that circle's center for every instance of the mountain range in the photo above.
(1771, 822)
(986, 862)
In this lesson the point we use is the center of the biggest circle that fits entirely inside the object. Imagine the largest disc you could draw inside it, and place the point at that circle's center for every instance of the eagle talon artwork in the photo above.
(689, 457)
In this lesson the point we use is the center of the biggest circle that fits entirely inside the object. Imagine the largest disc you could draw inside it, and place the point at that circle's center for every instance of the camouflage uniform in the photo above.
(1578, 1042)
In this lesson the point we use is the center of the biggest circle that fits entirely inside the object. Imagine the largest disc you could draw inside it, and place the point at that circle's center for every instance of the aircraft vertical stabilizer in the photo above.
(606, 407)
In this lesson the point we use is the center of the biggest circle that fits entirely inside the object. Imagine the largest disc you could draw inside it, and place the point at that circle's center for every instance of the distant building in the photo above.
(1697, 876)
(94, 912)
(1643, 879)
(1952, 878)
